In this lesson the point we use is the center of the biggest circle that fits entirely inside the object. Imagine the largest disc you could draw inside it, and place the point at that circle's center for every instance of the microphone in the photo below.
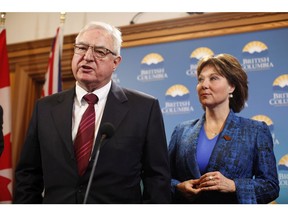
(106, 131)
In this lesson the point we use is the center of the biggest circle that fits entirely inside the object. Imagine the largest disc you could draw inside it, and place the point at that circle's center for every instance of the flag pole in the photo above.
(62, 17)
(2, 20)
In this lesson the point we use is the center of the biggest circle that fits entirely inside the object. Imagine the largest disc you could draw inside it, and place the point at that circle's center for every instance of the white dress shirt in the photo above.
(80, 105)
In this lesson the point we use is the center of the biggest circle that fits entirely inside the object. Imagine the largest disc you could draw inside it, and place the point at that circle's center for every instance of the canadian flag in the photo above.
(5, 102)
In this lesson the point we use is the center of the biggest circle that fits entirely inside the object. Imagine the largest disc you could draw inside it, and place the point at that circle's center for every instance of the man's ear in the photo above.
(117, 61)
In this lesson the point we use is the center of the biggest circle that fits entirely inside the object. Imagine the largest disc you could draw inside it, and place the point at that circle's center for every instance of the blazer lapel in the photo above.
(191, 149)
(225, 139)
(62, 116)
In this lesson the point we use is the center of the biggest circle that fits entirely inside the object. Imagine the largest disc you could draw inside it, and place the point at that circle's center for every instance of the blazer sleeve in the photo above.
(178, 146)
(172, 158)
(264, 187)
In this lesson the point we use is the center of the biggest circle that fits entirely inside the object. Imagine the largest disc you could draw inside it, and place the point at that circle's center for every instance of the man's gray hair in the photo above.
(111, 30)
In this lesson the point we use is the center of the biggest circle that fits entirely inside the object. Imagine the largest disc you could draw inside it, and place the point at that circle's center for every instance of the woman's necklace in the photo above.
(213, 132)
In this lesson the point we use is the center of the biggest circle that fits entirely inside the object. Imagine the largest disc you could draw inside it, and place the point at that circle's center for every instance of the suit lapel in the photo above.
(62, 117)
(115, 109)
(116, 106)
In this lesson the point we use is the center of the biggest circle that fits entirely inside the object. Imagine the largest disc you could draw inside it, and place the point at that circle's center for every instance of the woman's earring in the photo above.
(230, 95)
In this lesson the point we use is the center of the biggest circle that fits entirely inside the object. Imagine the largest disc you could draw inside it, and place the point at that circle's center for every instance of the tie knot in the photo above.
(91, 98)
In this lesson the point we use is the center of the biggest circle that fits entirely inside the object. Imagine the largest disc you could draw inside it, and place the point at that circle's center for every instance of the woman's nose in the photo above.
(204, 84)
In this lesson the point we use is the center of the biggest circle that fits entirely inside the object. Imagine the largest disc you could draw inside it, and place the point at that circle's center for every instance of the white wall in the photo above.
(26, 26)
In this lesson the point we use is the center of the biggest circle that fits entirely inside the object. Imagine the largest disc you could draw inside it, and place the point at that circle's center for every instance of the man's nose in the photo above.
(89, 55)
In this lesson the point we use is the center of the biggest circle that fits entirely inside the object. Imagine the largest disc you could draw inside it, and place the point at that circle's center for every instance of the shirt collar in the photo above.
(101, 93)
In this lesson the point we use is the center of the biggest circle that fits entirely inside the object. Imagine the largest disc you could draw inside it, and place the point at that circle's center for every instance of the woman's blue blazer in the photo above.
(243, 153)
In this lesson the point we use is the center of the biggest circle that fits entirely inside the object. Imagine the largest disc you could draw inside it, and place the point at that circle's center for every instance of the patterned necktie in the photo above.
(85, 135)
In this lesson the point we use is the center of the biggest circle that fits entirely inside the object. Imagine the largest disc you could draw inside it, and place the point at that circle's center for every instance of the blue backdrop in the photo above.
(167, 71)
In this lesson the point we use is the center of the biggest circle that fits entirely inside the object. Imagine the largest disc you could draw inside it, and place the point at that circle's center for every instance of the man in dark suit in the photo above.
(1, 131)
(135, 156)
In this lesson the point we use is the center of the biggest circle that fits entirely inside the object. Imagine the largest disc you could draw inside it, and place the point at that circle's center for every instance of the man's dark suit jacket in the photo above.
(137, 150)
(1, 131)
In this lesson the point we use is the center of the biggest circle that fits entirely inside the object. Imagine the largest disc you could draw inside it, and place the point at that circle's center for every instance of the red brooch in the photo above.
(227, 138)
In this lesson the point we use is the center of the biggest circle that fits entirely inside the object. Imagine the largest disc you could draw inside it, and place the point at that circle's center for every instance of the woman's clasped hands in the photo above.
(211, 181)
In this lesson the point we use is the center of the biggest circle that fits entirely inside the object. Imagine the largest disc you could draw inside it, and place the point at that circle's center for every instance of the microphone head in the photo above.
(108, 129)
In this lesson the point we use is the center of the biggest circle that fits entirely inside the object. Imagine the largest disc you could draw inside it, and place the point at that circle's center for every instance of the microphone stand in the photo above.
(103, 137)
